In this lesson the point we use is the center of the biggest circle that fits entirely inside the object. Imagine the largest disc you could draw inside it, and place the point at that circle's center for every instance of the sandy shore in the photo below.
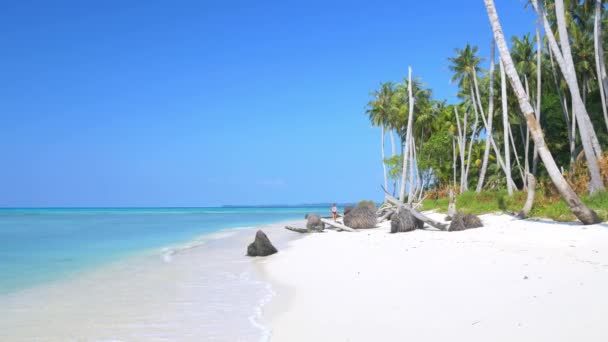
(509, 281)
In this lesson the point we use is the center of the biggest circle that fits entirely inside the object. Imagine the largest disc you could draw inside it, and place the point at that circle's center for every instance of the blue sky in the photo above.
(199, 103)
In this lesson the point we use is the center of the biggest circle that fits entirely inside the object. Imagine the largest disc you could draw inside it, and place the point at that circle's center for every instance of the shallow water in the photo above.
(40, 245)
(142, 275)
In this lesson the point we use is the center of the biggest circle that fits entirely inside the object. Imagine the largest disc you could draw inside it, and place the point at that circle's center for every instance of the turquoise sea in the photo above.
(41, 245)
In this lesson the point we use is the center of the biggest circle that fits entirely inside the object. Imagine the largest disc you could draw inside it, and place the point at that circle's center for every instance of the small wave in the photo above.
(256, 316)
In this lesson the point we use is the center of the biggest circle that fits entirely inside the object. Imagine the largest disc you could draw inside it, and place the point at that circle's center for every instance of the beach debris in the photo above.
(361, 217)
(314, 222)
(261, 246)
(404, 221)
(462, 221)
(337, 225)
(415, 213)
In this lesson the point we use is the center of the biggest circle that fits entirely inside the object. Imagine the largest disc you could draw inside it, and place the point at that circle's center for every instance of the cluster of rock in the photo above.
(314, 223)
(360, 217)
(403, 221)
(461, 221)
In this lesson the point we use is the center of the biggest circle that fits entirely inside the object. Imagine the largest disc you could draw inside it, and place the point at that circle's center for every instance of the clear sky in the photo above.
(202, 103)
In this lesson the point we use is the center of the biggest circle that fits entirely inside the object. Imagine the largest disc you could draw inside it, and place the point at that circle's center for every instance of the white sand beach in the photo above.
(512, 280)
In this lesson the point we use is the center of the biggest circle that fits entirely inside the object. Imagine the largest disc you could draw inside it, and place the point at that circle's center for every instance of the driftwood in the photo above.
(530, 199)
(388, 214)
(415, 213)
(337, 225)
(303, 230)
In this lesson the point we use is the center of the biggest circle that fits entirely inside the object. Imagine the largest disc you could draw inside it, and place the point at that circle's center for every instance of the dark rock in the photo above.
(261, 246)
(314, 222)
(448, 218)
(404, 221)
(360, 217)
(462, 221)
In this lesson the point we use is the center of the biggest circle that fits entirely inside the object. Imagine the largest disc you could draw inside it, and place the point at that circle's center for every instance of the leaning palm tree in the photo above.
(582, 212)
(563, 56)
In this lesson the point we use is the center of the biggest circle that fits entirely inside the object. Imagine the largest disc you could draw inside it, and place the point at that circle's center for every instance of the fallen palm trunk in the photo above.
(415, 213)
(302, 230)
(530, 199)
(337, 225)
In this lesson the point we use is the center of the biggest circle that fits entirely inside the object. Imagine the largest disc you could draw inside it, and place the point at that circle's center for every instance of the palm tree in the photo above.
(599, 57)
(582, 212)
(379, 112)
(563, 56)
(465, 67)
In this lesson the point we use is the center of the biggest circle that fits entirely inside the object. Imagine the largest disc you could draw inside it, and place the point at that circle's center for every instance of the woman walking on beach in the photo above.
(334, 211)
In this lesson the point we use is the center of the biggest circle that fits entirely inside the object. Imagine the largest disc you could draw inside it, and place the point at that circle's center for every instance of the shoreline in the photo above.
(205, 288)
(512, 280)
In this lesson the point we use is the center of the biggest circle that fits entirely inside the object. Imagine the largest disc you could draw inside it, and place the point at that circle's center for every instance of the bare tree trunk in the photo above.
(521, 170)
(589, 140)
(573, 142)
(563, 103)
(454, 159)
(527, 143)
(408, 133)
(498, 156)
(462, 142)
(451, 206)
(530, 199)
(599, 56)
(506, 125)
(394, 153)
(472, 140)
(579, 209)
(486, 152)
(539, 52)
(384, 158)
(412, 187)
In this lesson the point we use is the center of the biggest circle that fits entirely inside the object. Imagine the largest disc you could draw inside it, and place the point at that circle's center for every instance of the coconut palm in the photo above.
(582, 212)
(379, 112)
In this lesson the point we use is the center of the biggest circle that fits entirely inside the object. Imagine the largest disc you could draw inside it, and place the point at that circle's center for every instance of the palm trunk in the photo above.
(394, 153)
(408, 133)
(462, 142)
(599, 57)
(573, 142)
(454, 159)
(486, 152)
(472, 140)
(579, 209)
(538, 96)
(506, 125)
(384, 158)
(527, 141)
(519, 168)
(562, 101)
(589, 140)
(412, 178)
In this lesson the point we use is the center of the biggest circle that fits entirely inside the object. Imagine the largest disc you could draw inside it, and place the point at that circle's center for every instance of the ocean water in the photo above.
(40, 245)
(177, 274)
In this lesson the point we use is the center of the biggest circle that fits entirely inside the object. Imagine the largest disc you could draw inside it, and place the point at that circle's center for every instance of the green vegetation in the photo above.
(483, 140)
(499, 201)
(370, 204)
